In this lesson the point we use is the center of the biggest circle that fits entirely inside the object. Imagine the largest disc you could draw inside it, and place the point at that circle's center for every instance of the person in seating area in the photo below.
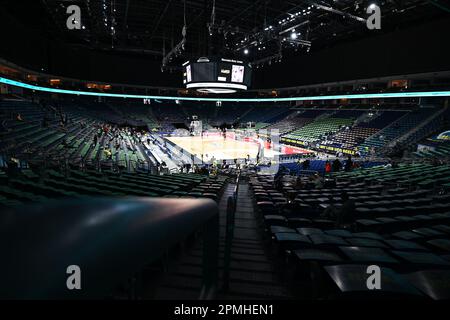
(306, 164)
(331, 210)
(327, 167)
(349, 164)
(346, 213)
(12, 168)
(299, 183)
(337, 165)
(279, 176)
(317, 180)
(108, 153)
(164, 167)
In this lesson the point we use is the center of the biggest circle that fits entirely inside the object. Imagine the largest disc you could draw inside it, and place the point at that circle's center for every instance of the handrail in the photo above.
(229, 235)
(109, 239)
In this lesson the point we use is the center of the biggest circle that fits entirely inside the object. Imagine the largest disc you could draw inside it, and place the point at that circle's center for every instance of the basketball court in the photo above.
(227, 148)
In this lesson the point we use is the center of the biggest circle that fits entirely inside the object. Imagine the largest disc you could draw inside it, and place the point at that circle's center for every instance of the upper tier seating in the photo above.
(318, 129)
(265, 114)
(168, 113)
(383, 119)
(289, 124)
(135, 114)
(356, 135)
(349, 138)
(353, 114)
(398, 128)
(204, 112)
(228, 114)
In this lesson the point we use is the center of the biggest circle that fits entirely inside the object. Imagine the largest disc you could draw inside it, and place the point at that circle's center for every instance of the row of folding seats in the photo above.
(373, 209)
(397, 129)
(420, 174)
(406, 233)
(263, 114)
(315, 130)
(290, 124)
(30, 187)
(349, 139)
(314, 256)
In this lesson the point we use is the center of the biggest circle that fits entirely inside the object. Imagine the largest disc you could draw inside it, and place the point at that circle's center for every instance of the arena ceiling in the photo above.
(248, 29)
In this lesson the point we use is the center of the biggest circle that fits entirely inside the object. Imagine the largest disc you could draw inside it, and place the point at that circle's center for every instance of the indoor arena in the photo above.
(263, 153)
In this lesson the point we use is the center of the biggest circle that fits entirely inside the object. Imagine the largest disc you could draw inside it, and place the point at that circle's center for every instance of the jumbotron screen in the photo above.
(217, 76)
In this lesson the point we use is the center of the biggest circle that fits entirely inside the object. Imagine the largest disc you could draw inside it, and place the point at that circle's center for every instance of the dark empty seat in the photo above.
(275, 220)
(386, 220)
(292, 240)
(405, 245)
(264, 204)
(281, 229)
(428, 232)
(370, 255)
(407, 235)
(433, 283)
(299, 222)
(312, 254)
(361, 242)
(368, 235)
(422, 217)
(339, 233)
(309, 231)
(442, 228)
(440, 244)
(327, 240)
(367, 224)
(405, 219)
(353, 279)
(424, 258)
(324, 223)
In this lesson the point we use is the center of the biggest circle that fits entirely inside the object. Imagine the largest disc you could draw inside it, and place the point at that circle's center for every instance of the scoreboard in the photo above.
(217, 76)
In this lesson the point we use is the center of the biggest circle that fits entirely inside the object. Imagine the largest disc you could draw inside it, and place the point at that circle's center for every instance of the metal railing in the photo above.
(229, 234)
(110, 240)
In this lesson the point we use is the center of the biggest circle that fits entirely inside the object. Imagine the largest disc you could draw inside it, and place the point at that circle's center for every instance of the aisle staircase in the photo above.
(251, 273)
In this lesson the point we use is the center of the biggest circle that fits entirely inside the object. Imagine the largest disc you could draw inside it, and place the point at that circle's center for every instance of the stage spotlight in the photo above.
(293, 35)
(246, 51)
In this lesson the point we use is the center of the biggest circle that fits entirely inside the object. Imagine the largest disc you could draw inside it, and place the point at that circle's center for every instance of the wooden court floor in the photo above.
(219, 148)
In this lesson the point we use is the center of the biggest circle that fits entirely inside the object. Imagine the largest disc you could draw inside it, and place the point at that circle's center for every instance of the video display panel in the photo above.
(224, 72)
(203, 72)
(237, 73)
(217, 71)
(188, 73)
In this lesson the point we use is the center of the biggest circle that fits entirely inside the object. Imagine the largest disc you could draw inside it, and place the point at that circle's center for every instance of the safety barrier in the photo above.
(109, 240)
